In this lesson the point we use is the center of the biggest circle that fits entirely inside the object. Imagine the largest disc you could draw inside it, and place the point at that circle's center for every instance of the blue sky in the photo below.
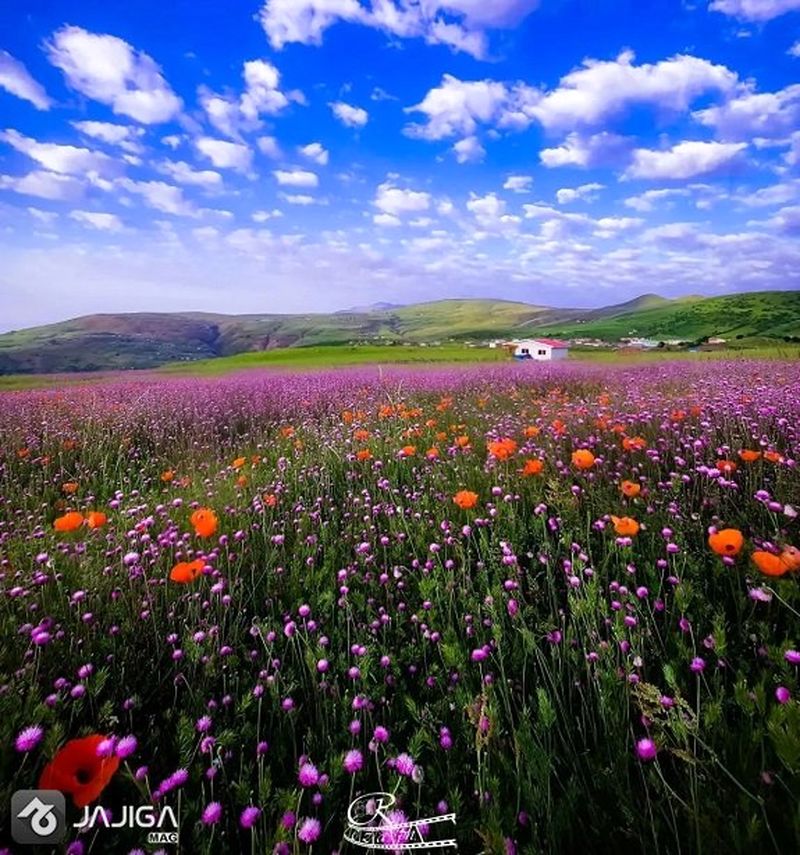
(310, 155)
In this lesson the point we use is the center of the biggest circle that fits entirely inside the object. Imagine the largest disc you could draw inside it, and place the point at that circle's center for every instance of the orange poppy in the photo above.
(409, 450)
(773, 456)
(583, 458)
(502, 449)
(749, 456)
(532, 467)
(462, 441)
(70, 487)
(241, 481)
(361, 435)
(466, 499)
(69, 522)
(791, 557)
(634, 443)
(96, 519)
(630, 489)
(270, 499)
(729, 541)
(22, 453)
(625, 526)
(187, 571)
(727, 466)
(432, 453)
(364, 454)
(769, 563)
(678, 415)
(239, 462)
(167, 475)
(347, 417)
(78, 771)
(205, 522)
(441, 436)
(558, 426)
(531, 431)
(287, 432)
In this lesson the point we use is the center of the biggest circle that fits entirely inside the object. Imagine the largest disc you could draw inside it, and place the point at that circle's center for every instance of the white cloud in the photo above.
(794, 50)
(776, 194)
(47, 217)
(263, 216)
(66, 159)
(296, 178)
(684, 160)
(645, 202)
(305, 21)
(577, 150)
(490, 213)
(262, 95)
(316, 152)
(754, 10)
(172, 140)
(124, 136)
(765, 114)
(396, 201)
(599, 90)
(100, 221)
(269, 146)
(352, 117)
(387, 220)
(45, 185)
(297, 198)
(469, 150)
(571, 194)
(183, 173)
(109, 70)
(224, 154)
(456, 106)
(161, 196)
(518, 183)
(14, 78)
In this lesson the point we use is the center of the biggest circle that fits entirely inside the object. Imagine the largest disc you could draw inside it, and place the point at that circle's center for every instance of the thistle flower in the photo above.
(29, 738)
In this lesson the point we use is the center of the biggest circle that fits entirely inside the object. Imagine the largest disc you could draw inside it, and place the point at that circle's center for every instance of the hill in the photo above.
(146, 340)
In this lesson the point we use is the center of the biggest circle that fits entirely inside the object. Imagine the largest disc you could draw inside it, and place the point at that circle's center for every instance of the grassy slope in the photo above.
(772, 313)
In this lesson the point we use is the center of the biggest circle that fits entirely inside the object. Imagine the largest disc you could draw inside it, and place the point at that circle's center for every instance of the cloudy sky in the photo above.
(310, 155)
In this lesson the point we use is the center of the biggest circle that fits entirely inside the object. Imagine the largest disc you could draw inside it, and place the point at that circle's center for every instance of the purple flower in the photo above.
(309, 831)
(126, 746)
(29, 738)
(404, 764)
(792, 657)
(646, 750)
(288, 820)
(381, 734)
(212, 813)
(308, 776)
(392, 835)
(249, 816)
(782, 695)
(697, 665)
(353, 761)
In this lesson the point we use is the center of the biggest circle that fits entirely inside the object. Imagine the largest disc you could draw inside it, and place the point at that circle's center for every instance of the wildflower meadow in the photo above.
(559, 601)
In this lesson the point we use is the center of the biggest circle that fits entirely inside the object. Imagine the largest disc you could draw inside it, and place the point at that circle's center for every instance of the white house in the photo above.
(540, 349)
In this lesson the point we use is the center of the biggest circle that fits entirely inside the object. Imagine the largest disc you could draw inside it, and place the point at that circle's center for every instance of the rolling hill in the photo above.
(146, 340)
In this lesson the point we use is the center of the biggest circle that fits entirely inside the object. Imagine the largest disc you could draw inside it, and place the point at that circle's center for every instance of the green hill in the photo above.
(146, 340)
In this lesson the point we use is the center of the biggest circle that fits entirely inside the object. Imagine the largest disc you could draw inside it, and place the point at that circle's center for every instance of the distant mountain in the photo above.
(146, 340)
(373, 307)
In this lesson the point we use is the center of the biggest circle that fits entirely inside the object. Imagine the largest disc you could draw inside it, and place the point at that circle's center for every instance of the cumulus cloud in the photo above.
(352, 117)
(316, 152)
(684, 160)
(97, 220)
(65, 159)
(459, 24)
(603, 149)
(518, 183)
(262, 96)
(755, 114)
(571, 194)
(269, 146)
(754, 10)
(125, 137)
(297, 198)
(397, 201)
(646, 201)
(14, 78)
(160, 196)
(224, 154)
(183, 173)
(469, 150)
(44, 185)
(296, 178)
(109, 70)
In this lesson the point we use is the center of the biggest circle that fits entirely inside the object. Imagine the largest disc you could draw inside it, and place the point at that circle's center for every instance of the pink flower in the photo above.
(646, 750)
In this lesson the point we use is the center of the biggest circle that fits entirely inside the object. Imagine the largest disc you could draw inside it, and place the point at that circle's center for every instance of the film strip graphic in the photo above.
(371, 826)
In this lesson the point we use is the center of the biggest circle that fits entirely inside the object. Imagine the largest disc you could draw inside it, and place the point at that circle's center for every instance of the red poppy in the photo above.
(69, 522)
(205, 522)
(534, 466)
(78, 771)
(187, 571)
(466, 499)
(502, 449)
(583, 458)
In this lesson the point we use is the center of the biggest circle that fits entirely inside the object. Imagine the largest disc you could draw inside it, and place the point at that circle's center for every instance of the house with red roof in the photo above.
(539, 349)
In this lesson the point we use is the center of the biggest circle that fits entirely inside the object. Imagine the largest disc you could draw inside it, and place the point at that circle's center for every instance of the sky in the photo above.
(312, 155)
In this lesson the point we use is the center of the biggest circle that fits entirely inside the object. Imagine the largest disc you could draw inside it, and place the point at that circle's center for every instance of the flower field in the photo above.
(559, 601)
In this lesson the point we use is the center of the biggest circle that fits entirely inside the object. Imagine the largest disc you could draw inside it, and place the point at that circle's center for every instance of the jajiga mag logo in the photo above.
(374, 822)
(39, 817)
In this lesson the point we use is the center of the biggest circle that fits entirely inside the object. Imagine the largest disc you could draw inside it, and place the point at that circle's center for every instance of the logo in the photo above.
(375, 824)
(38, 816)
